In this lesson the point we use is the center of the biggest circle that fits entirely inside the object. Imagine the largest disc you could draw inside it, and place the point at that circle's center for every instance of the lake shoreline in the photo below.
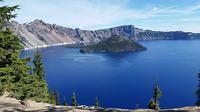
(53, 45)
(12, 104)
(77, 45)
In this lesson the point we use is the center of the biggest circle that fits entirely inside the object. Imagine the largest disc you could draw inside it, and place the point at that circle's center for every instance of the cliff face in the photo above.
(39, 33)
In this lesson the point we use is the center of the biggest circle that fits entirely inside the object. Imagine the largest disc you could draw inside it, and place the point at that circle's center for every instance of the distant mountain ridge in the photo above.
(38, 33)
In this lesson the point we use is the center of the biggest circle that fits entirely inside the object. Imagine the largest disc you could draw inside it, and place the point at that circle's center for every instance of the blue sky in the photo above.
(162, 15)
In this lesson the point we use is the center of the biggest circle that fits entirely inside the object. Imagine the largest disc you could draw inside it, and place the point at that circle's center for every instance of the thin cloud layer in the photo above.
(96, 14)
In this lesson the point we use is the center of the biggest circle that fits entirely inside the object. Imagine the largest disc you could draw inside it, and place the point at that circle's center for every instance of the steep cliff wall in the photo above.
(39, 33)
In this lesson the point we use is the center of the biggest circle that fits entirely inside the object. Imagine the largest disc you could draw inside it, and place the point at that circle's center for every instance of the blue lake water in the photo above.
(125, 79)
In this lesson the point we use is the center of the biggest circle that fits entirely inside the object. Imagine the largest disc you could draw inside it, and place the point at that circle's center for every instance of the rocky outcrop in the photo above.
(8, 104)
(39, 33)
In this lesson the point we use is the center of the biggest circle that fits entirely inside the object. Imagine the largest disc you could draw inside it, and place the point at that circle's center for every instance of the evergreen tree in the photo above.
(12, 68)
(6, 14)
(57, 97)
(154, 103)
(38, 65)
(52, 98)
(74, 102)
(198, 92)
(96, 103)
(15, 74)
(1, 89)
(65, 102)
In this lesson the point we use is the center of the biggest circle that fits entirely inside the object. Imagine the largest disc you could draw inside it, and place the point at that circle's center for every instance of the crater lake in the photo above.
(124, 80)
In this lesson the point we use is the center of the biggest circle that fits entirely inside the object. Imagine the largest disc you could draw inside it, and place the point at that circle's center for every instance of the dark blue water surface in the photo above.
(125, 79)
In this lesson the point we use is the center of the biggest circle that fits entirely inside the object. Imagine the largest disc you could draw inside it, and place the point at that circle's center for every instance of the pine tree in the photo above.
(198, 92)
(1, 89)
(57, 97)
(52, 98)
(65, 102)
(96, 103)
(6, 14)
(74, 102)
(12, 68)
(38, 65)
(154, 103)
(15, 75)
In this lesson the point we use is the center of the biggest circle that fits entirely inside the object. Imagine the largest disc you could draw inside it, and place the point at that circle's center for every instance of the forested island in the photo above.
(114, 44)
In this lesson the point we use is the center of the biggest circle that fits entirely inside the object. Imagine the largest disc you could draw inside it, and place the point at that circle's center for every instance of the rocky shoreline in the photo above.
(8, 104)
(45, 46)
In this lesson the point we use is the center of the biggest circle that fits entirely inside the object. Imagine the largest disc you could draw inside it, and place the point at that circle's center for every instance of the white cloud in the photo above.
(194, 7)
(80, 13)
(95, 14)
(154, 8)
(190, 19)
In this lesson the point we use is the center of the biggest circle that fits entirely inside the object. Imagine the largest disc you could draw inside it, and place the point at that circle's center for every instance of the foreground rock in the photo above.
(114, 44)
(41, 34)
(8, 104)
